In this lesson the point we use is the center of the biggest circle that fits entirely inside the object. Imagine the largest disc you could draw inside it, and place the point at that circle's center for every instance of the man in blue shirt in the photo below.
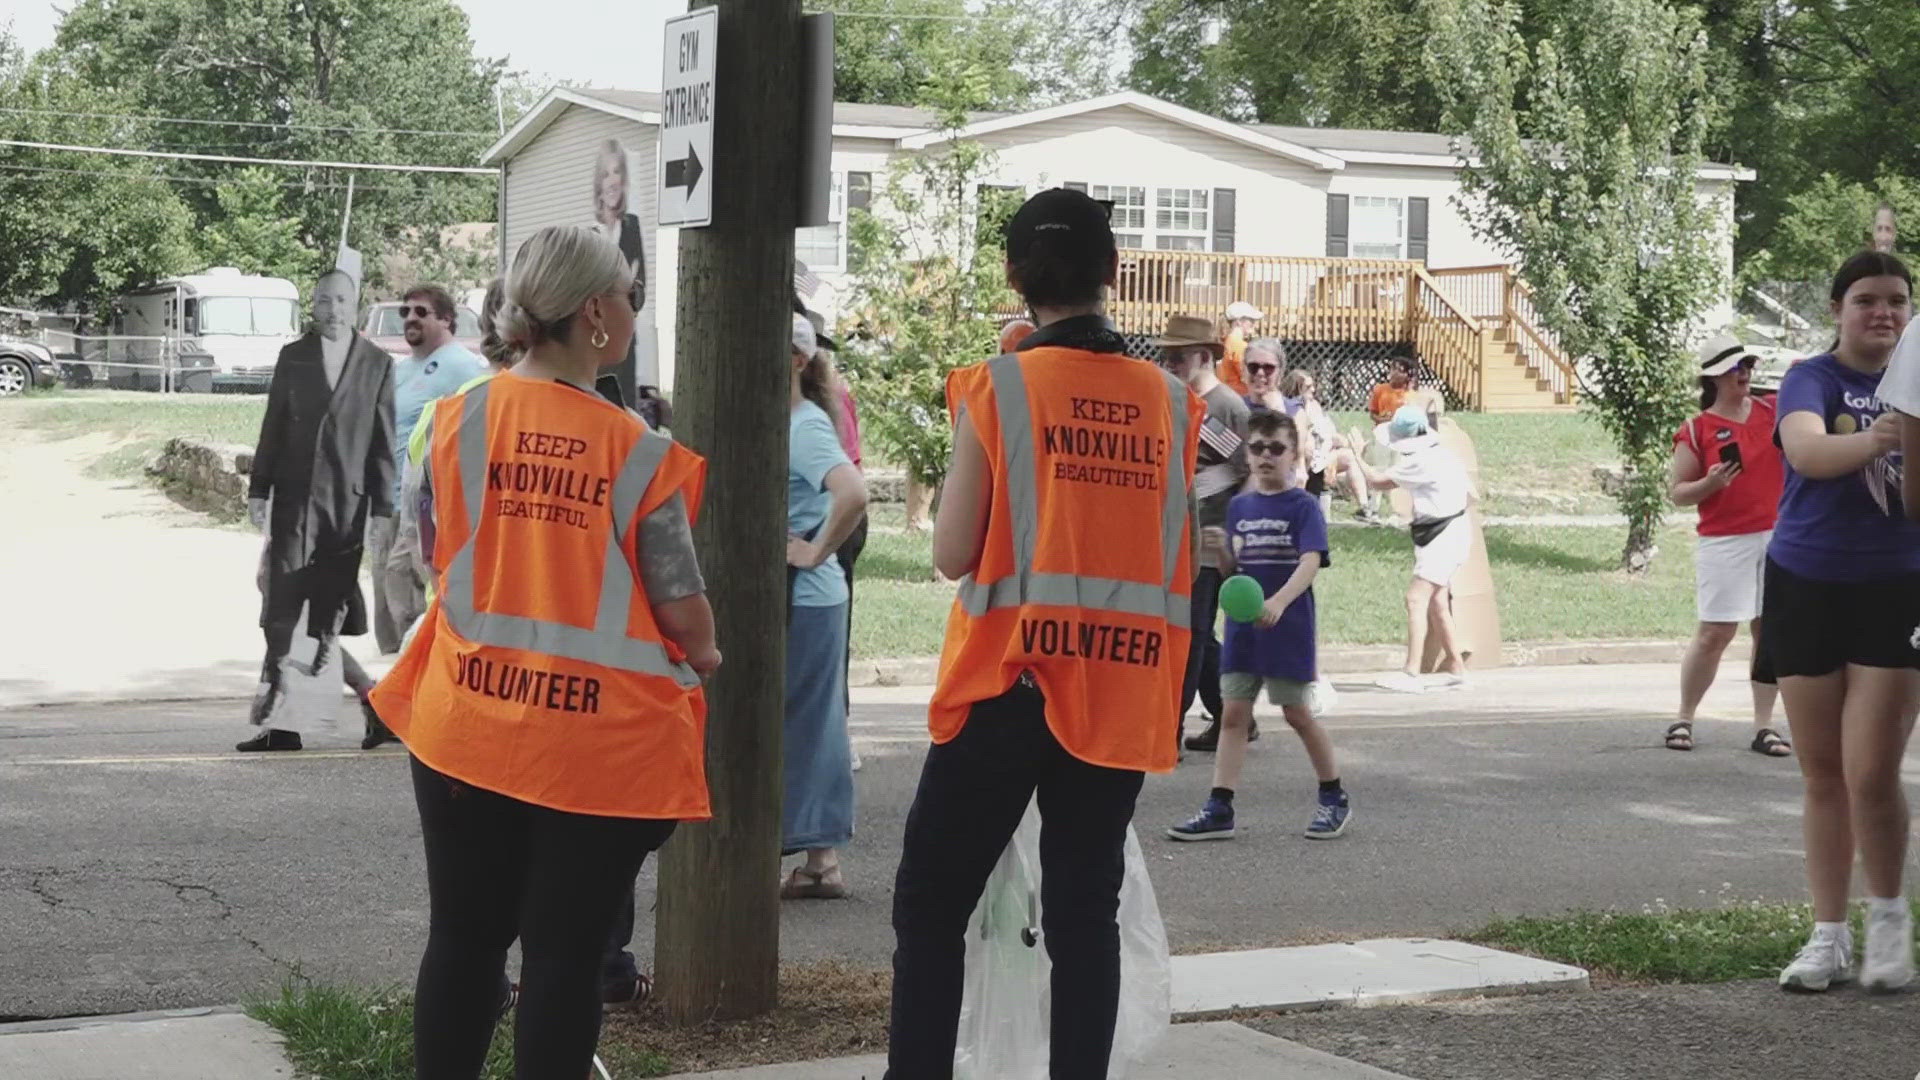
(439, 366)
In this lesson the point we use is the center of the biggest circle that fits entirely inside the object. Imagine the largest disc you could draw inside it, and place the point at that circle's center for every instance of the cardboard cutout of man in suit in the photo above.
(322, 470)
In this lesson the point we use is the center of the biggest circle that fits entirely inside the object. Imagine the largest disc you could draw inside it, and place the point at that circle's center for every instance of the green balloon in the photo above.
(1241, 598)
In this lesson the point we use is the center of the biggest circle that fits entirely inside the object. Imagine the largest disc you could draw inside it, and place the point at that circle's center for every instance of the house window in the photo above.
(1379, 227)
(1182, 214)
(1129, 204)
(824, 247)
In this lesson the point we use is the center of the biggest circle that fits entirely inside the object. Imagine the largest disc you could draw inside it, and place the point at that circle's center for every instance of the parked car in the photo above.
(386, 327)
(24, 366)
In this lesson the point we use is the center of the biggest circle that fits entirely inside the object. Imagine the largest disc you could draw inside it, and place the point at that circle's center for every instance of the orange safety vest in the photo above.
(1086, 577)
(540, 673)
(1233, 365)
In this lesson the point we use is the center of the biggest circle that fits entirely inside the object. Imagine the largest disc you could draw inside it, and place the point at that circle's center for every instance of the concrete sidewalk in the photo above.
(194, 1044)
(1189, 1052)
(221, 1044)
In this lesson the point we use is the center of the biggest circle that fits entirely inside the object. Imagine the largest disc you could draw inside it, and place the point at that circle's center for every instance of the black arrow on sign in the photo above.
(685, 172)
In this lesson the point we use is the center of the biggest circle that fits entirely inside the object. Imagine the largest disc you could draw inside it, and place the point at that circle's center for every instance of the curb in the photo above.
(1367, 659)
(923, 670)
(74, 1023)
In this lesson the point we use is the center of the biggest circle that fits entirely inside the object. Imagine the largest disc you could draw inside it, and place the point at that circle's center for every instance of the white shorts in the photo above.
(1727, 572)
(1444, 555)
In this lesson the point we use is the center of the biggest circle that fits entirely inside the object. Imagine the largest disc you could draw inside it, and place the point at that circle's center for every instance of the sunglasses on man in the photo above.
(1260, 448)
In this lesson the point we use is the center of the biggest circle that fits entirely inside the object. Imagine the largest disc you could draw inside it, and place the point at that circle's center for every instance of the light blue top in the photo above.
(813, 451)
(419, 383)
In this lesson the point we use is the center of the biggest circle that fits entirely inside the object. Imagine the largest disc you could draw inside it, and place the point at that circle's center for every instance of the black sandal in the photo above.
(1768, 742)
(1680, 735)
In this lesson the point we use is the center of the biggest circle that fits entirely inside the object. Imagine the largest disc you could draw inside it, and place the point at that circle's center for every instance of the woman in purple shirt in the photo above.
(1841, 598)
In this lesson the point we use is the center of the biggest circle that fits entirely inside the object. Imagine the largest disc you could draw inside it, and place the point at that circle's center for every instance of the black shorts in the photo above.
(1316, 483)
(1815, 628)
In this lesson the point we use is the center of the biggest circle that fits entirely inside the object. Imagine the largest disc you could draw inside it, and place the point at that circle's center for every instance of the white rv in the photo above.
(216, 331)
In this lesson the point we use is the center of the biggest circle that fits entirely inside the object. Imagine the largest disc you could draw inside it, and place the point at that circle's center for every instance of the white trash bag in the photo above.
(1006, 1006)
(308, 701)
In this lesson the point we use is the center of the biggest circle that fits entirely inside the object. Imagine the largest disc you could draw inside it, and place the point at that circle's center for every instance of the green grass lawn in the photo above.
(1531, 463)
(143, 422)
(1665, 944)
(1553, 583)
(335, 1034)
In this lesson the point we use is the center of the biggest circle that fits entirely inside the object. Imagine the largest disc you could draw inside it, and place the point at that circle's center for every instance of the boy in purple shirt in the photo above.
(1276, 535)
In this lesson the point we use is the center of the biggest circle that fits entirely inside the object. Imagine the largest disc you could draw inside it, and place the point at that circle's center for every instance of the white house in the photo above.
(1303, 222)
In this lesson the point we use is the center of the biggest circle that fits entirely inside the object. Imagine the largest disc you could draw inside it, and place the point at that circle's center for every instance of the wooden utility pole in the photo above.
(717, 927)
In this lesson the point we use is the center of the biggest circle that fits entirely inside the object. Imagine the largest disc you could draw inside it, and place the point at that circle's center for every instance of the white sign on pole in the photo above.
(684, 184)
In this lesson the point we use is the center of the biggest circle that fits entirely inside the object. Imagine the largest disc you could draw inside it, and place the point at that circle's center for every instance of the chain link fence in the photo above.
(161, 364)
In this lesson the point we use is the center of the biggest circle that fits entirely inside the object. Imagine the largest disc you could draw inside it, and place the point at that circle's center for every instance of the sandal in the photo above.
(1768, 742)
(1680, 735)
(805, 884)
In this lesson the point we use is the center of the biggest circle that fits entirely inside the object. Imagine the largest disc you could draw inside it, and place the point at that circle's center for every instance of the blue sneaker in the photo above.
(1330, 820)
(1213, 822)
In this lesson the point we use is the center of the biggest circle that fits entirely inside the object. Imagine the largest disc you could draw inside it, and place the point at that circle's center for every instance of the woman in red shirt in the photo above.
(1725, 462)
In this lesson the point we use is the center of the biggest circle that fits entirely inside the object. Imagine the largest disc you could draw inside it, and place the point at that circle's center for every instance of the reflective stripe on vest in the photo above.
(607, 644)
(1024, 586)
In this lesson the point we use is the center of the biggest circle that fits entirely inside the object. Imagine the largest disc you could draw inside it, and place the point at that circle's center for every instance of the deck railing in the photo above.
(1497, 294)
(1454, 318)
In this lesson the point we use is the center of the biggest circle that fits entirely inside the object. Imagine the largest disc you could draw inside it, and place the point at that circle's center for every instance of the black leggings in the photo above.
(973, 792)
(500, 869)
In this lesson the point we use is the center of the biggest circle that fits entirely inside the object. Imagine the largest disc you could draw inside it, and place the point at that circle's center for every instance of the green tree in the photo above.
(1593, 183)
(250, 230)
(1333, 63)
(920, 304)
(384, 81)
(77, 229)
(1028, 53)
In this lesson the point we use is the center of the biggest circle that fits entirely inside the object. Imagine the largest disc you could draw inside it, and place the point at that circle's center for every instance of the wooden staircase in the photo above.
(1475, 328)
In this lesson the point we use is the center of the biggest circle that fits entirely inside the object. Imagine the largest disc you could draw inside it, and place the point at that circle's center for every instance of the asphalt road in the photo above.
(143, 865)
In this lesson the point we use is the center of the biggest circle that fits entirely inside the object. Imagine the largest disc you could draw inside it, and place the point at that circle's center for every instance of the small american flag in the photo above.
(1219, 438)
(805, 281)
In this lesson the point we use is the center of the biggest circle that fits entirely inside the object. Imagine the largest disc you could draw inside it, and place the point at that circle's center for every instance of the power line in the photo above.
(159, 178)
(246, 123)
(902, 16)
(463, 170)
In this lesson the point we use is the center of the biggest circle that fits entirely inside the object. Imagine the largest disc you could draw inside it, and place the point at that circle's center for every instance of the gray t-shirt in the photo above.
(1221, 476)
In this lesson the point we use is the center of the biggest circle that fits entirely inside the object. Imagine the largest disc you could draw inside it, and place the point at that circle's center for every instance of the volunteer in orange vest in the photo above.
(552, 698)
(1242, 317)
(1067, 517)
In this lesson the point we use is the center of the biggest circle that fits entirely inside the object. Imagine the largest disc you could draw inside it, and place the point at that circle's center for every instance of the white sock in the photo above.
(1886, 905)
(1828, 931)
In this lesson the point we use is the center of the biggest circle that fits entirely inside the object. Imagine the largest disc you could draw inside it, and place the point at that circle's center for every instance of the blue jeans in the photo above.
(817, 760)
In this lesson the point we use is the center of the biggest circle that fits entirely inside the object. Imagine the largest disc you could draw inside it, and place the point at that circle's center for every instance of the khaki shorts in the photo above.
(1239, 686)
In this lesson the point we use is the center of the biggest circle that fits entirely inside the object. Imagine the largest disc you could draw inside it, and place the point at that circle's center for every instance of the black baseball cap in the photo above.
(1068, 221)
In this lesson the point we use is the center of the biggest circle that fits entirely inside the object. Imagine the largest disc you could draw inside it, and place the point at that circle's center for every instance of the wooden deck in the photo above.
(1474, 327)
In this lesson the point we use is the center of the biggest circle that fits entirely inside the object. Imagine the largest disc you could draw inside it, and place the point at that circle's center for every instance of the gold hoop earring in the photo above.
(599, 339)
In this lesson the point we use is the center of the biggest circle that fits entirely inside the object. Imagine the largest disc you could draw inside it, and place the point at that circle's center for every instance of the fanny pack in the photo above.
(1425, 529)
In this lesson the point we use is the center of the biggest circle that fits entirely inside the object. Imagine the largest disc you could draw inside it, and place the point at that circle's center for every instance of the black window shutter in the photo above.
(1417, 229)
(1336, 226)
(1223, 219)
(859, 191)
(1075, 185)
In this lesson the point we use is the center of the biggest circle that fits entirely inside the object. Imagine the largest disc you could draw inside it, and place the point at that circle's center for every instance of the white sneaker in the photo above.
(1450, 681)
(1821, 962)
(1403, 683)
(1889, 955)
